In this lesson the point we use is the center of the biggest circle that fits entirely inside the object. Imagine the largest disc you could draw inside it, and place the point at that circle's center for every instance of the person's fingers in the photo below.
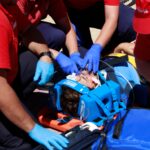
(85, 61)
(74, 69)
(55, 144)
(117, 50)
(37, 74)
(47, 145)
(95, 67)
(90, 65)
(44, 79)
(62, 141)
(80, 62)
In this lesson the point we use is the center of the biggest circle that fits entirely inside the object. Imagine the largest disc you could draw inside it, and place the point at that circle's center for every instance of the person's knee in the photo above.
(53, 36)
(7, 138)
(58, 40)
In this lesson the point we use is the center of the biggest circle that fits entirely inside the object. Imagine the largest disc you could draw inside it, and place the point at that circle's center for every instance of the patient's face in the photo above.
(87, 79)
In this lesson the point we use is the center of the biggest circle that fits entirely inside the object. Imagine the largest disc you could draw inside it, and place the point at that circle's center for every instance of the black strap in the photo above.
(116, 134)
(118, 126)
(102, 143)
(114, 60)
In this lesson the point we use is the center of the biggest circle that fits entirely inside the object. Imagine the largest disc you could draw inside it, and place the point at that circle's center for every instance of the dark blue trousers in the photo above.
(12, 138)
(95, 17)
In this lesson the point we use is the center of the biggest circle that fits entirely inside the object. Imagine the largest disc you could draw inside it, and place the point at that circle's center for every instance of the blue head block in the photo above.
(71, 84)
(98, 104)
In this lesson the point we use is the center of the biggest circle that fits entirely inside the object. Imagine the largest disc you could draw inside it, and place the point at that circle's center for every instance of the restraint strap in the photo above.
(118, 126)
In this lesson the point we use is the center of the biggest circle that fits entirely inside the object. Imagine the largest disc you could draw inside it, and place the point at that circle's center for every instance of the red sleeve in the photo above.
(112, 2)
(57, 9)
(4, 43)
(141, 50)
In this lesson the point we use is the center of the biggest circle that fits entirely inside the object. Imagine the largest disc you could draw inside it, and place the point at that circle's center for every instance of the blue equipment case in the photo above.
(101, 103)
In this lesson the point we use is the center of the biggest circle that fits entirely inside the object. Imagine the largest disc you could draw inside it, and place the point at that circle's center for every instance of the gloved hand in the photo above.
(44, 72)
(77, 59)
(48, 138)
(92, 58)
(66, 64)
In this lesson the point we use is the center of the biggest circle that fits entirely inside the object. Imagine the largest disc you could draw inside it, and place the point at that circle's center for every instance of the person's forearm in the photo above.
(71, 41)
(108, 27)
(12, 108)
(35, 43)
(37, 48)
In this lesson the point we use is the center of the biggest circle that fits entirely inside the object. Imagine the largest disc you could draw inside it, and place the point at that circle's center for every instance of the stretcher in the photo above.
(97, 105)
(58, 121)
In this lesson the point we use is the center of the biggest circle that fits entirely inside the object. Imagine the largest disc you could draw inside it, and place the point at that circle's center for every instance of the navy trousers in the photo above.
(11, 137)
(94, 17)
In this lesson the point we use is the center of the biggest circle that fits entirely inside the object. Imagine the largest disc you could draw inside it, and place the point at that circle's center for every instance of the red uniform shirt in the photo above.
(142, 47)
(141, 22)
(82, 4)
(8, 44)
(32, 11)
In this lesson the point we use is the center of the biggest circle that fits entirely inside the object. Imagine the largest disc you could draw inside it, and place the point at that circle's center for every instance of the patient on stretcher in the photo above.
(70, 93)
(125, 75)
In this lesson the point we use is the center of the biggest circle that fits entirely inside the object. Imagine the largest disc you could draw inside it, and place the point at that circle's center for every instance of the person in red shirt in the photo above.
(141, 24)
(10, 106)
(114, 20)
(29, 18)
(45, 37)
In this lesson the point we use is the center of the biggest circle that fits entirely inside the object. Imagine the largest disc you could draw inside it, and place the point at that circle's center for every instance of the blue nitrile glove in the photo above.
(77, 59)
(66, 64)
(92, 58)
(44, 72)
(49, 139)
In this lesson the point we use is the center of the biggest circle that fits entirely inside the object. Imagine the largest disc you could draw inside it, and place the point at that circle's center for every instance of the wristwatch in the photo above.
(48, 53)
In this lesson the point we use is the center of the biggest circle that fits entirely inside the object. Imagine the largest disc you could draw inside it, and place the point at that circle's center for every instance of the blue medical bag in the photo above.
(130, 131)
(101, 103)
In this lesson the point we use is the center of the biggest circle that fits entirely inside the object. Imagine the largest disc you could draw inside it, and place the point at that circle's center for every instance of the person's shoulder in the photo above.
(4, 21)
(2, 13)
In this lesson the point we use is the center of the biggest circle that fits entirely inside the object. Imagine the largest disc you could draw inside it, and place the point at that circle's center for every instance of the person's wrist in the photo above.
(29, 126)
(34, 129)
(45, 59)
(58, 56)
(75, 53)
(97, 46)
(55, 53)
(46, 53)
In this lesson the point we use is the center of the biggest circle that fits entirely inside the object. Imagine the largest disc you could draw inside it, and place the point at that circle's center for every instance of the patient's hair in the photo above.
(69, 101)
